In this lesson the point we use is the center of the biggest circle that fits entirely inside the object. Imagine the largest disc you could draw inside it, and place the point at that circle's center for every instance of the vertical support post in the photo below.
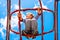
(42, 18)
(19, 22)
(56, 20)
(8, 20)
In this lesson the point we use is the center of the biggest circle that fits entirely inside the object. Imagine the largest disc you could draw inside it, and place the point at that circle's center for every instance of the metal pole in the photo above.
(8, 20)
(56, 20)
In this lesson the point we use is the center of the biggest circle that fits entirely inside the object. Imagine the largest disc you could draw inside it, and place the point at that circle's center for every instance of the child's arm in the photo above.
(39, 13)
(20, 17)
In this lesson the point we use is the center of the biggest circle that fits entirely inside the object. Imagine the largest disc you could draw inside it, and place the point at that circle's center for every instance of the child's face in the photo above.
(29, 16)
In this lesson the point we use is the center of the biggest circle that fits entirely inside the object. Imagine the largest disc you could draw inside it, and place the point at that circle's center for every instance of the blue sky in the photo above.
(48, 18)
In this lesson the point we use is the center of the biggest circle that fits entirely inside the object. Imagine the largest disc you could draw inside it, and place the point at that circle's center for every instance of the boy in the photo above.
(30, 23)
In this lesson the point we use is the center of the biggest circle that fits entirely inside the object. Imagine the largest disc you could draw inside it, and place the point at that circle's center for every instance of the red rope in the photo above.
(8, 20)
(56, 20)
(42, 18)
(31, 9)
(19, 23)
(34, 35)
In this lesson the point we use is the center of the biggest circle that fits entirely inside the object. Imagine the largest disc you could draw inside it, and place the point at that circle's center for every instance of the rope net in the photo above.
(19, 26)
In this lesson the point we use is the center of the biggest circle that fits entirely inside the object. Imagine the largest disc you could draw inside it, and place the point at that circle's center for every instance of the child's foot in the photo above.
(23, 32)
(34, 33)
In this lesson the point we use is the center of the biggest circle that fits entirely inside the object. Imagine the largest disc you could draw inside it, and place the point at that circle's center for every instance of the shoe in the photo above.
(34, 33)
(33, 37)
(23, 32)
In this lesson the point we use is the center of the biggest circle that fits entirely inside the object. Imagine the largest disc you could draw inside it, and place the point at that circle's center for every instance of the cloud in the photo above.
(35, 6)
(0, 2)
(14, 23)
(1, 31)
(14, 20)
(3, 22)
(2, 27)
(44, 6)
(17, 7)
(49, 1)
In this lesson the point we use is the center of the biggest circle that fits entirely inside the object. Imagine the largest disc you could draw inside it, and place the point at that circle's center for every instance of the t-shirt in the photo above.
(31, 23)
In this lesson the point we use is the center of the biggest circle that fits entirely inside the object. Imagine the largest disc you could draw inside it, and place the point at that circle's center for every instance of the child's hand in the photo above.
(19, 15)
(39, 11)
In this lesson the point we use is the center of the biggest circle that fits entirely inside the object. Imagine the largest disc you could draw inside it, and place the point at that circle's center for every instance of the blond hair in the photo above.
(29, 13)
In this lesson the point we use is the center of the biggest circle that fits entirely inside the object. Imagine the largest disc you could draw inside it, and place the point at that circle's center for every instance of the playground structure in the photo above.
(9, 14)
